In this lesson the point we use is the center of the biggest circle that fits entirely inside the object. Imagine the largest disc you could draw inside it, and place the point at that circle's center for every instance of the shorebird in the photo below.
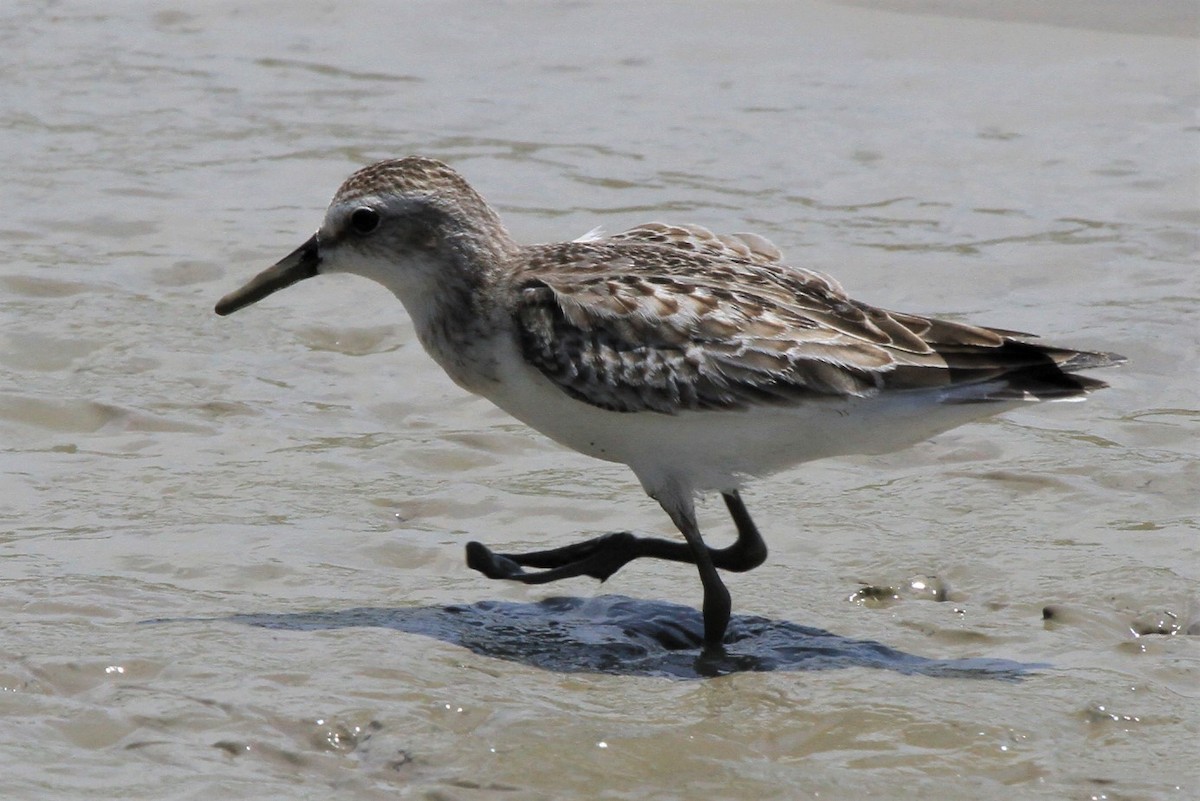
(696, 359)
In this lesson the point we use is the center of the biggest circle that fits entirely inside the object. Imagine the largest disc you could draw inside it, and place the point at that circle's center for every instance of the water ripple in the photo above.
(624, 636)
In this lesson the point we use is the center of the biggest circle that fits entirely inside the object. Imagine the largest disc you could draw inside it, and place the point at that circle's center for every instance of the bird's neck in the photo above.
(452, 311)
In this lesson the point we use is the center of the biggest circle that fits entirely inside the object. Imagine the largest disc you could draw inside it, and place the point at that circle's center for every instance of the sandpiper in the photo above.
(696, 359)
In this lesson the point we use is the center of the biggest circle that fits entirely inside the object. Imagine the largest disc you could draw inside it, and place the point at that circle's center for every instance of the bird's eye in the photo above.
(364, 220)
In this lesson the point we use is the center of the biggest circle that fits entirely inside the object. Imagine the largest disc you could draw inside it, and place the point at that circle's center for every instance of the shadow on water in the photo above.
(624, 636)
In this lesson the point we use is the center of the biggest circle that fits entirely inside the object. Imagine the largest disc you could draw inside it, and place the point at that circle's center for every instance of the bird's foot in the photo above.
(491, 564)
(598, 558)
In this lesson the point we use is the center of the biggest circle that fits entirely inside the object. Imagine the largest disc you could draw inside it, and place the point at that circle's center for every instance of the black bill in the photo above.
(301, 263)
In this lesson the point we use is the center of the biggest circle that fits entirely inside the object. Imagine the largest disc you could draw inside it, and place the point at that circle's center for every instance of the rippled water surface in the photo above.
(232, 548)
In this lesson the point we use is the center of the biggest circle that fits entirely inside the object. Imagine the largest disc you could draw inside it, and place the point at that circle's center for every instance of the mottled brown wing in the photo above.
(633, 326)
(697, 239)
(633, 323)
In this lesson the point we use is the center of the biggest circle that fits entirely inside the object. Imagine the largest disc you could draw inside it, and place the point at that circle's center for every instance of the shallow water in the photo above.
(232, 548)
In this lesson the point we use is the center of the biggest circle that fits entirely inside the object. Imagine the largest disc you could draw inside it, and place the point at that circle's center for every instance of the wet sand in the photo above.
(232, 548)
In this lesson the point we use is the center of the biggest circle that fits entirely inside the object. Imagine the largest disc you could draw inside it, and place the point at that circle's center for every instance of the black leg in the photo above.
(598, 558)
(749, 550)
(717, 604)
(602, 556)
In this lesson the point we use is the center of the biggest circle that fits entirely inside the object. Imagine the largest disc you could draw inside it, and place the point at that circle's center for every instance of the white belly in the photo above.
(715, 450)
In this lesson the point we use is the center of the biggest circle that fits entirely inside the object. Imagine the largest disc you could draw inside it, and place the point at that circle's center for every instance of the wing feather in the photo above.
(669, 318)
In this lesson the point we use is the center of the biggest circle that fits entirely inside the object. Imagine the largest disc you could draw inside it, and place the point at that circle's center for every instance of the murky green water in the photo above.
(232, 549)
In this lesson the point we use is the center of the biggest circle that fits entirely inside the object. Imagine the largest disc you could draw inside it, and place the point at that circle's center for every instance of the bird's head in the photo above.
(411, 224)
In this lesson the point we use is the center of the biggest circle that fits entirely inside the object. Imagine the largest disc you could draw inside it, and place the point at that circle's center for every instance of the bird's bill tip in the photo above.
(301, 263)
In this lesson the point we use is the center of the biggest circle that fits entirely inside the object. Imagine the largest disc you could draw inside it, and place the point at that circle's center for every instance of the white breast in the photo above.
(715, 450)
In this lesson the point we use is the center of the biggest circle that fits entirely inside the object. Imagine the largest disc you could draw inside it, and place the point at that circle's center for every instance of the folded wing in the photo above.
(669, 318)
